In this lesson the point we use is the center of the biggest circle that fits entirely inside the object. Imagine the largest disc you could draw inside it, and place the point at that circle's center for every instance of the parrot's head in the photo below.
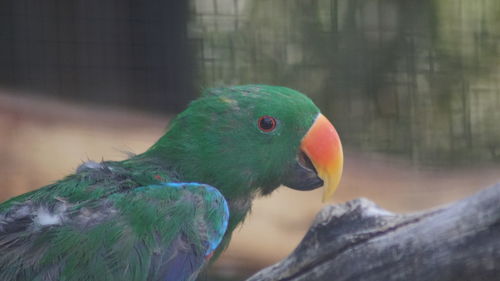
(254, 138)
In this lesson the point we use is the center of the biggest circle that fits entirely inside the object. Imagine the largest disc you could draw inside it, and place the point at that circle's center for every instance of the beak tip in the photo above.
(327, 194)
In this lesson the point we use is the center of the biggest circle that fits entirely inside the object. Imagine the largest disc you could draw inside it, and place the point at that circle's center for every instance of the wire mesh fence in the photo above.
(418, 78)
(117, 52)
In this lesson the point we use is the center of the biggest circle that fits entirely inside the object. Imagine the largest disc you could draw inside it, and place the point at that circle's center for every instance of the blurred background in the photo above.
(413, 88)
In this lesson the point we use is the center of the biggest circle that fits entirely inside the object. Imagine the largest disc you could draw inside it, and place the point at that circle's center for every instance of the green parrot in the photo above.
(162, 214)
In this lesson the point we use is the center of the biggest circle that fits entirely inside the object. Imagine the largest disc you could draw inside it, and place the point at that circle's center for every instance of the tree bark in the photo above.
(360, 241)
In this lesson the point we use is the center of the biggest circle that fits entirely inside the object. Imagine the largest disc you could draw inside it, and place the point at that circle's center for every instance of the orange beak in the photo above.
(322, 145)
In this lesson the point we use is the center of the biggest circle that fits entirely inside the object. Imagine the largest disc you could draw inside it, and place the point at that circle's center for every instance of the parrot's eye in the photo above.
(266, 123)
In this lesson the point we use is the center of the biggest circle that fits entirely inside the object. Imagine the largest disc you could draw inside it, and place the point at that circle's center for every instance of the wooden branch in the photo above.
(360, 241)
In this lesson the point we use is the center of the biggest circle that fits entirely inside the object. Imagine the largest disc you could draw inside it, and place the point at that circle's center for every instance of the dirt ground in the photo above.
(43, 140)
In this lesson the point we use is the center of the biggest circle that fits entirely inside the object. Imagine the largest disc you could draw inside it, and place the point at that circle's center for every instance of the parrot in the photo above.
(167, 213)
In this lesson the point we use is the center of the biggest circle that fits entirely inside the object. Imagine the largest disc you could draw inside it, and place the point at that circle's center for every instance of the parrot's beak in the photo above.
(322, 146)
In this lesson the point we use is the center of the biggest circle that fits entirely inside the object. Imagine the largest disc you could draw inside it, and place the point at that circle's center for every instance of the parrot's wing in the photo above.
(156, 232)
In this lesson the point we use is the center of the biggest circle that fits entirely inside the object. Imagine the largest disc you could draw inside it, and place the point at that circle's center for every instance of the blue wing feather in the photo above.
(184, 260)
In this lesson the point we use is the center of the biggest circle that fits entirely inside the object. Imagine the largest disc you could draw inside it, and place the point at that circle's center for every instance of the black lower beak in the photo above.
(302, 175)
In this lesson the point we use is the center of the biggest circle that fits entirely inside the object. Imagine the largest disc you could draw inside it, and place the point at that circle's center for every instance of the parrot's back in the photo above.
(112, 221)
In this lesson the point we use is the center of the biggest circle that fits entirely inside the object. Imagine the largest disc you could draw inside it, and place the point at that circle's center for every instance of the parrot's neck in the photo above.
(238, 188)
(192, 162)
